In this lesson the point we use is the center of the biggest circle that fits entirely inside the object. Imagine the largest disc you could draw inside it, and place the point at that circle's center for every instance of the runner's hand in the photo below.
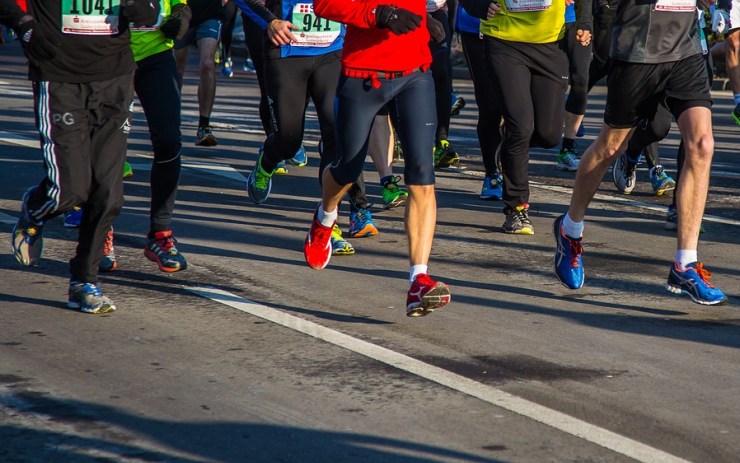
(278, 31)
(141, 12)
(583, 37)
(177, 23)
(34, 43)
(436, 29)
(398, 20)
(493, 8)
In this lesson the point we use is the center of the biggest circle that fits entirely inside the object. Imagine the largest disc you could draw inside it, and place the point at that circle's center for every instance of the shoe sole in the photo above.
(679, 291)
(665, 189)
(366, 232)
(153, 257)
(99, 311)
(208, 140)
(437, 297)
(491, 197)
(565, 168)
(398, 202)
(108, 269)
(523, 231)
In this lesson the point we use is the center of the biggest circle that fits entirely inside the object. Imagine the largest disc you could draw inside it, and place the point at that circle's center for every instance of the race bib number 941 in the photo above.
(313, 31)
(90, 17)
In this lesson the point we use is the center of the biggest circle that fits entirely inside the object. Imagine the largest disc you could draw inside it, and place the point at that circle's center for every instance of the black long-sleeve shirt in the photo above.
(90, 47)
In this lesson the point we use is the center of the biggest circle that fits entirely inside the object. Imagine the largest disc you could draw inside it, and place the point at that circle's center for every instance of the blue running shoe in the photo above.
(73, 218)
(492, 187)
(694, 281)
(301, 157)
(28, 236)
(568, 263)
(661, 182)
(361, 224)
(259, 182)
(88, 298)
(581, 131)
(248, 65)
(227, 70)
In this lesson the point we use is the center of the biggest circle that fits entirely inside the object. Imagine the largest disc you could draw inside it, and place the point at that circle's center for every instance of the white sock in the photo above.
(327, 219)
(570, 228)
(416, 270)
(684, 257)
(736, 98)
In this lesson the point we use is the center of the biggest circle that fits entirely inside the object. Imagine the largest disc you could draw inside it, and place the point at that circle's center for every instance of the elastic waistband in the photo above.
(375, 76)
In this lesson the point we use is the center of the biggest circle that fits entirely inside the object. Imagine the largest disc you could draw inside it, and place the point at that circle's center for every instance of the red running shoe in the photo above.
(425, 295)
(317, 248)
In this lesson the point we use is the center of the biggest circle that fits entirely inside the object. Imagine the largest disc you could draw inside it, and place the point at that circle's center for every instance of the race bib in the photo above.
(313, 31)
(523, 6)
(90, 17)
(676, 5)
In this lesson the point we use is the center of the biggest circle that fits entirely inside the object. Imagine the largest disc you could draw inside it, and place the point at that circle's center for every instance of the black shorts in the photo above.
(635, 90)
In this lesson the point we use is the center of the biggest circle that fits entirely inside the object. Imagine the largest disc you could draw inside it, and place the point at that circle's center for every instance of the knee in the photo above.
(700, 150)
(166, 149)
(207, 66)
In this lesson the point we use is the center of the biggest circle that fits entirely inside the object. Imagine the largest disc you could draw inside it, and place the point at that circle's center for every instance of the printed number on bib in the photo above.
(90, 17)
(313, 31)
(686, 6)
(523, 6)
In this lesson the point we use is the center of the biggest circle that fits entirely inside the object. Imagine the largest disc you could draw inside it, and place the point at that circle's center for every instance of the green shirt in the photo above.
(147, 41)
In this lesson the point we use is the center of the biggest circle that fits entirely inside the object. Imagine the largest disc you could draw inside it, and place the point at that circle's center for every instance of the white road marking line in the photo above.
(221, 170)
(560, 421)
(17, 139)
(7, 219)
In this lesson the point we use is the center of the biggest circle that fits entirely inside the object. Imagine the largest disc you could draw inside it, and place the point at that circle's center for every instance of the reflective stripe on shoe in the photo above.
(162, 250)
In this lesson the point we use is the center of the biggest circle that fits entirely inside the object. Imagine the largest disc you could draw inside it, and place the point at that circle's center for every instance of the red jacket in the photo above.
(366, 47)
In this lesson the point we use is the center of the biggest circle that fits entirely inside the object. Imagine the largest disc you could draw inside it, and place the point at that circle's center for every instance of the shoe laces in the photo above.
(361, 215)
(392, 182)
(576, 249)
(108, 245)
(88, 288)
(703, 273)
(261, 177)
(336, 232)
(166, 243)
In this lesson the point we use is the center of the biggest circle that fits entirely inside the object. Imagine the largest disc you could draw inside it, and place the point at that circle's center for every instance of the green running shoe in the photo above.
(393, 195)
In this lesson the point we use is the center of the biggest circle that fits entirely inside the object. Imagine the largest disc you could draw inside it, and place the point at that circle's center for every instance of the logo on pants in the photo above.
(66, 118)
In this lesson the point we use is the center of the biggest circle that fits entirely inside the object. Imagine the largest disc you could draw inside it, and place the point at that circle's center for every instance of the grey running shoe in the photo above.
(517, 221)
(88, 298)
(624, 174)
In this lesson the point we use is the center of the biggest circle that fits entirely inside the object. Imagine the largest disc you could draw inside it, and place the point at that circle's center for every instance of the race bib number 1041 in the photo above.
(90, 17)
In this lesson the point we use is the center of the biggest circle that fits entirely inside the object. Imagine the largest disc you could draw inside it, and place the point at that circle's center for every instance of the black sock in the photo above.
(568, 144)
(204, 121)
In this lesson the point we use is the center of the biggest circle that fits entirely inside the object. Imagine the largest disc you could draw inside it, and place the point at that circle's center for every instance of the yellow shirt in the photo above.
(528, 21)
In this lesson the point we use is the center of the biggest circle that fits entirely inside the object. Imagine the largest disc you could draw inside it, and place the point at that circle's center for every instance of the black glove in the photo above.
(34, 44)
(141, 12)
(436, 29)
(398, 20)
(177, 23)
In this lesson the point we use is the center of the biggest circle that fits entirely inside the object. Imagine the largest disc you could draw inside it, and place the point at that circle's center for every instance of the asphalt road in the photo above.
(250, 356)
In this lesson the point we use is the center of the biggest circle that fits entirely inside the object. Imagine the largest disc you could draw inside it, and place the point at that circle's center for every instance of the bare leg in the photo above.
(380, 145)
(572, 122)
(594, 164)
(331, 192)
(420, 220)
(696, 131)
(732, 59)
(207, 86)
